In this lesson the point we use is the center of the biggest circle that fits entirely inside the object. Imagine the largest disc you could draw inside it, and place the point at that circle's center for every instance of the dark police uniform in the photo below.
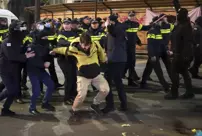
(154, 39)
(166, 30)
(68, 65)
(133, 28)
(10, 59)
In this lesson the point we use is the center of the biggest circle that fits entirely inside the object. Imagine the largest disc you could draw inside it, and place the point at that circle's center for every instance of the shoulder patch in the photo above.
(8, 44)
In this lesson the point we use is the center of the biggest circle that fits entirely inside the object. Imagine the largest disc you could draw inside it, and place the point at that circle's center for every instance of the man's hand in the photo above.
(153, 58)
(52, 53)
(169, 53)
(30, 54)
(46, 64)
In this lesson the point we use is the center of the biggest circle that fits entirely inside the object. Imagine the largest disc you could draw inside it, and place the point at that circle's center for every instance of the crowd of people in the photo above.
(85, 48)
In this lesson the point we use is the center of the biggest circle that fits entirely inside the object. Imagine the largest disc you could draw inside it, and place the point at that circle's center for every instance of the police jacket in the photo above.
(154, 41)
(132, 29)
(64, 40)
(182, 40)
(97, 35)
(51, 37)
(10, 55)
(116, 43)
(35, 65)
(166, 30)
(87, 61)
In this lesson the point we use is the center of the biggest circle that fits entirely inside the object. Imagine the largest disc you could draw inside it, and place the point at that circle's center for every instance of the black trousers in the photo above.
(197, 62)
(180, 66)
(167, 62)
(130, 66)
(12, 84)
(52, 73)
(114, 73)
(23, 78)
(157, 69)
(69, 70)
(2, 86)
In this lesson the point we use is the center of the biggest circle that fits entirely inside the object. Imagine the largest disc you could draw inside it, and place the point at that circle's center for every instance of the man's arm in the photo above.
(60, 50)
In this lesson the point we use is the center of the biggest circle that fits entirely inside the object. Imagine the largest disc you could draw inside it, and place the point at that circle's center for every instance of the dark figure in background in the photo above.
(85, 23)
(10, 59)
(3, 35)
(182, 46)
(197, 34)
(155, 41)
(117, 58)
(132, 28)
(68, 63)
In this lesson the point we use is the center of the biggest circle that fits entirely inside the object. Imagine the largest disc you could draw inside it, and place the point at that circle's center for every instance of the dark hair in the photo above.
(85, 38)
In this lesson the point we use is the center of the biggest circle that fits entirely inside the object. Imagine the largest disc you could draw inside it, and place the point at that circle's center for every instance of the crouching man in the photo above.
(88, 54)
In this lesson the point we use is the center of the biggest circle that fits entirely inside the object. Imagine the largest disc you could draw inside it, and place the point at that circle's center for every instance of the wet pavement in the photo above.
(149, 114)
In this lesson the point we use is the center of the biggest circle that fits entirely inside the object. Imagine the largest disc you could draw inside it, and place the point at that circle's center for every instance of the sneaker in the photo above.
(34, 111)
(7, 112)
(96, 109)
(48, 107)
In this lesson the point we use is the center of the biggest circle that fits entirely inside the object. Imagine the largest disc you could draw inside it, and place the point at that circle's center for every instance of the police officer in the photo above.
(10, 59)
(96, 33)
(85, 23)
(154, 39)
(133, 27)
(182, 46)
(197, 34)
(49, 38)
(75, 27)
(68, 64)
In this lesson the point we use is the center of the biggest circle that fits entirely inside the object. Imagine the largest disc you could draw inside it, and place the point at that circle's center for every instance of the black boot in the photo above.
(7, 112)
(132, 83)
(187, 95)
(172, 95)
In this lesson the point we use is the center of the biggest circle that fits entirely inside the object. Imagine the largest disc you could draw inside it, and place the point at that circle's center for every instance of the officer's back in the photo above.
(10, 51)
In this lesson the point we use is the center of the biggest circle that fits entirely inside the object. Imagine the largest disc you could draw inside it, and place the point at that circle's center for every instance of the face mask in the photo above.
(40, 27)
(23, 28)
(48, 25)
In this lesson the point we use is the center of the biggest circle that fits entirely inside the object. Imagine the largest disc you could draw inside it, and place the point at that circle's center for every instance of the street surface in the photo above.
(149, 114)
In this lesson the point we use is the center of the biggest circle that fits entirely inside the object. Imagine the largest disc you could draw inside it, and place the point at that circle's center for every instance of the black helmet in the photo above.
(17, 25)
